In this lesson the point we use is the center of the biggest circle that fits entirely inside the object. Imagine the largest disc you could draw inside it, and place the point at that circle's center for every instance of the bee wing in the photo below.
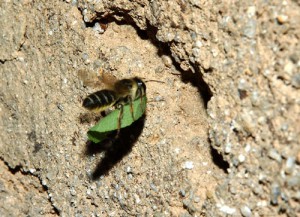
(108, 79)
(94, 80)
(89, 78)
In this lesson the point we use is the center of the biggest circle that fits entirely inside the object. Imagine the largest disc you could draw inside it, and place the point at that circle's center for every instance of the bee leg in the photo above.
(143, 108)
(131, 109)
(119, 120)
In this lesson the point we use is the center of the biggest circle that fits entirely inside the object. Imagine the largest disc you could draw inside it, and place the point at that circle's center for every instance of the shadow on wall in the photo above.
(114, 148)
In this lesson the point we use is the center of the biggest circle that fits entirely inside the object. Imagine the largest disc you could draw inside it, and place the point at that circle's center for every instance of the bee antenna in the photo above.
(155, 81)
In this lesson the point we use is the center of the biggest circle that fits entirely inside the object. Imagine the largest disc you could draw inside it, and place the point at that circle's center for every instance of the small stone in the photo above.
(289, 165)
(128, 169)
(250, 28)
(228, 210)
(255, 98)
(184, 65)
(158, 99)
(235, 161)
(251, 11)
(196, 52)
(284, 197)
(117, 187)
(189, 206)
(273, 154)
(275, 192)
(167, 61)
(242, 84)
(247, 148)
(246, 211)
(296, 80)
(197, 199)
(32, 170)
(232, 189)
(44, 183)
(182, 193)
(188, 165)
(177, 150)
(73, 191)
(262, 120)
(137, 199)
(159, 69)
(198, 44)
(289, 68)
(85, 56)
(153, 187)
(241, 158)
(60, 107)
(227, 148)
(88, 192)
(282, 18)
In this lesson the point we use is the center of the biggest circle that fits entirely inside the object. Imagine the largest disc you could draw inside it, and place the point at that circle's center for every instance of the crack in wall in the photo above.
(19, 168)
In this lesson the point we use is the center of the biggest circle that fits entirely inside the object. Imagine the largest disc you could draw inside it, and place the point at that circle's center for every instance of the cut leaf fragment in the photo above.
(110, 122)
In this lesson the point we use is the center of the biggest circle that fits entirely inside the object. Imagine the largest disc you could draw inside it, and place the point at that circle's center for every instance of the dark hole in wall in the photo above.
(218, 159)
(194, 78)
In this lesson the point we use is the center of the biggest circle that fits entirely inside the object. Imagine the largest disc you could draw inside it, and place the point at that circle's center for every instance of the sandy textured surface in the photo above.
(221, 132)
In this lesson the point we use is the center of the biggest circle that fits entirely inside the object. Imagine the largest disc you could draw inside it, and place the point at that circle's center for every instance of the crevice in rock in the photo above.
(14, 170)
(194, 78)
(18, 168)
(3, 61)
(219, 160)
(45, 188)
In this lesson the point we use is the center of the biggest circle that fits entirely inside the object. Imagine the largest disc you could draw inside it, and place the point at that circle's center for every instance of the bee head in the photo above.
(140, 84)
(140, 88)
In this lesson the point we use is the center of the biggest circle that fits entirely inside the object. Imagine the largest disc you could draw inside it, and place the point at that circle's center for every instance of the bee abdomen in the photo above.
(100, 100)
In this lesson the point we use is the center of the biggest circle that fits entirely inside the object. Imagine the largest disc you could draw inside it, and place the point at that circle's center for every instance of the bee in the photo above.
(117, 94)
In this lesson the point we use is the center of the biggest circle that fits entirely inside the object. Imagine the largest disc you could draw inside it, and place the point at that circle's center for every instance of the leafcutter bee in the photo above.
(118, 93)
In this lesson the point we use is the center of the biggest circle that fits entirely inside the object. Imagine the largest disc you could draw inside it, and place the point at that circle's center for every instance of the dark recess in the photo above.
(194, 78)
(15, 170)
(218, 159)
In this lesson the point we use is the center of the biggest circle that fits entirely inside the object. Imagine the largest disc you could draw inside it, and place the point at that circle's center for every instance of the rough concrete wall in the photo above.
(221, 133)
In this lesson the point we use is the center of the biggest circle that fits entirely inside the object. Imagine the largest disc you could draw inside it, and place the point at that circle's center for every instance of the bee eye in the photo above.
(140, 83)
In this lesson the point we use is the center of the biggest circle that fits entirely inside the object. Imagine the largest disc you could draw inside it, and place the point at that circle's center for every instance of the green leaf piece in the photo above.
(110, 122)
